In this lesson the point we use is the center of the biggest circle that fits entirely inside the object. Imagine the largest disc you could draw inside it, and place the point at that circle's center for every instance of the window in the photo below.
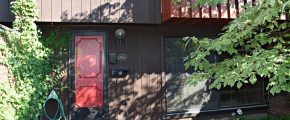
(182, 98)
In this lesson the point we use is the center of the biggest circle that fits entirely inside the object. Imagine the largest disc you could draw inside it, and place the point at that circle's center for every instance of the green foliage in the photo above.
(209, 2)
(201, 2)
(270, 117)
(34, 63)
(9, 101)
(257, 44)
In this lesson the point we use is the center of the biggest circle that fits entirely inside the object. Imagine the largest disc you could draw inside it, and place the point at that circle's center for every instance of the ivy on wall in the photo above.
(34, 63)
(257, 46)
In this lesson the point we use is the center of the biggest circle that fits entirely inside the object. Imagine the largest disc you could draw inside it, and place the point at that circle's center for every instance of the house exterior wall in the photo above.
(97, 11)
(143, 89)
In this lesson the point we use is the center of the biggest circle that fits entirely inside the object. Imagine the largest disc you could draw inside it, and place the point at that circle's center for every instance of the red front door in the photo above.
(89, 71)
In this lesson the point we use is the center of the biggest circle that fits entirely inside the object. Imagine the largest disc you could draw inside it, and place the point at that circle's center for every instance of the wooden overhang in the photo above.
(179, 12)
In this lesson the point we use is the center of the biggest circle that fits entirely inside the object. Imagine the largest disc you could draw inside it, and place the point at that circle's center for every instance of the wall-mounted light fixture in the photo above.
(120, 35)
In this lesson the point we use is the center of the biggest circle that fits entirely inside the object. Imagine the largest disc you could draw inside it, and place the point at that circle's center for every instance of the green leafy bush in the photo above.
(257, 45)
(34, 63)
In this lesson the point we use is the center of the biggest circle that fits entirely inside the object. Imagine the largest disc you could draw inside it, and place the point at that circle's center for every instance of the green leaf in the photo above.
(218, 86)
(239, 84)
(275, 89)
(263, 72)
(272, 2)
(253, 79)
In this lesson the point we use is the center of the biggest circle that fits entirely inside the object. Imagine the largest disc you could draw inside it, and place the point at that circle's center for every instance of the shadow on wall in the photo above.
(142, 96)
(109, 12)
(137, 96)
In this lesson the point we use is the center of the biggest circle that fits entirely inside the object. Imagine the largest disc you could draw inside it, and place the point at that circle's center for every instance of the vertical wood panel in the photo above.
(232, 9)
(205, 11)
(145, 92)
(104, 12)
(114, 10)
(130, 93)
(138, 84)
(195, 10)
(10, 16)
(4, 10)
(166, 10)
(126, 84)
(76, 10)
(86, 10)
(175, 10)
(134, 10)
(149, 71)
(121, 82)
(143, 11)
(214, 11)
(224, 10)
(153, 10)
(113, 84)
(240, 4)
(149, 11)
(146, 11)
(39, 9)
(95, 10)
(126, 12)
(56, 10)
(46, 10)
(144, 73)
(157, 18)
(155, 79)
(137, 76)
(66, 10)
(185, 9)
(113, 98)
(163, 75)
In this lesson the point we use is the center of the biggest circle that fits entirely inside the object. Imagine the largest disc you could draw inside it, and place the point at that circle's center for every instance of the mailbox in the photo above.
(119, 72)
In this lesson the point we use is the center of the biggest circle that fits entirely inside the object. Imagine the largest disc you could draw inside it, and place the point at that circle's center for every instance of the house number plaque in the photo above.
(121, 57)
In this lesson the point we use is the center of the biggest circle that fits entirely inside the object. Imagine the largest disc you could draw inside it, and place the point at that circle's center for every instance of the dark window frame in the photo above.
(220, 109)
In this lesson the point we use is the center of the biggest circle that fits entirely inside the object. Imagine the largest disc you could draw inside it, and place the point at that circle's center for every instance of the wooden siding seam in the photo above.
(40, 10)
(8, 9)
(90, 11)
(50, 10)
(71, 15)
(61, 9)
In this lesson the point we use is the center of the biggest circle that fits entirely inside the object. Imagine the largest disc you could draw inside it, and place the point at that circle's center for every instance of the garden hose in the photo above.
(59, 111)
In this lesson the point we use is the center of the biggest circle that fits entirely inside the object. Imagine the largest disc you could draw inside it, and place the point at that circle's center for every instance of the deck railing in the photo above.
(184, 9)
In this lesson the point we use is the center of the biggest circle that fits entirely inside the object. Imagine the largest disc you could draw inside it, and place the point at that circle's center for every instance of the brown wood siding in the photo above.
(10, 16)
(95, 11)
(46, 6)
(143, 89)
(66, 10)
(4, 8)
(56, 10)
(280, 104)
